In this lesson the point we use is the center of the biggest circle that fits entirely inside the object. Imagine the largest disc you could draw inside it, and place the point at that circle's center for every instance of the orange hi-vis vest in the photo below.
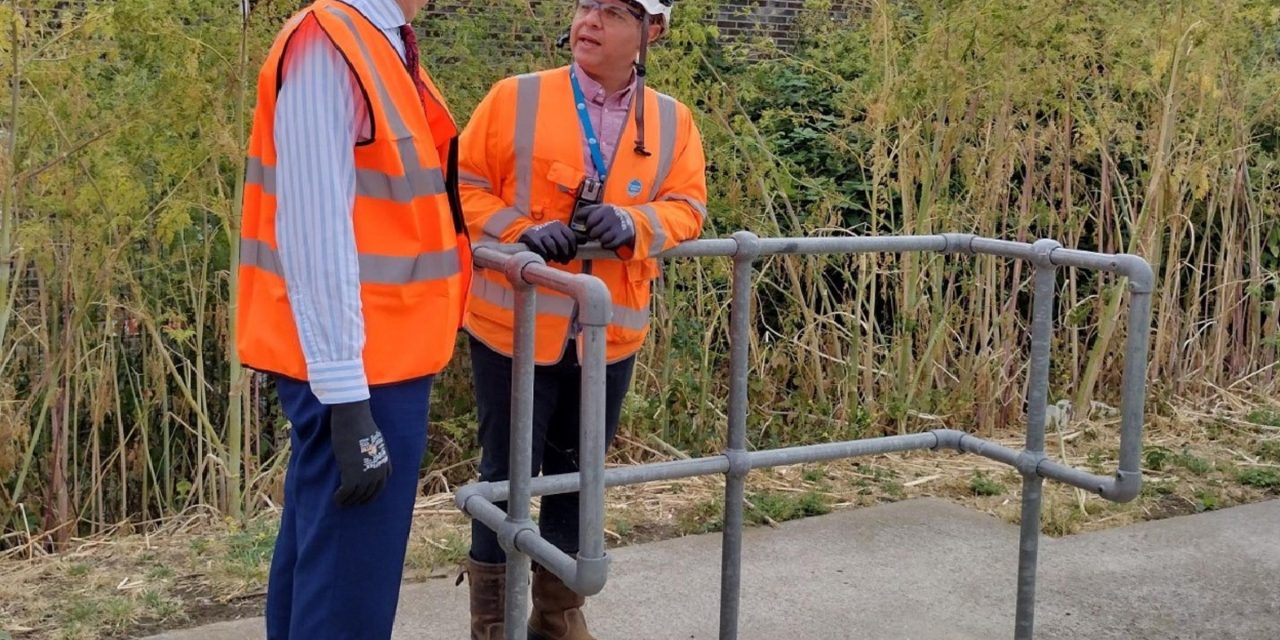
(521, 163)
(414, 256)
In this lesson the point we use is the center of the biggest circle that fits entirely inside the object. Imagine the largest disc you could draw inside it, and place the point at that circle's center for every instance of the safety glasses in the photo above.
(611, 13)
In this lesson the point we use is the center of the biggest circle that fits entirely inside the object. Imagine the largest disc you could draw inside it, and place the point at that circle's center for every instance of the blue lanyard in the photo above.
(597, 158)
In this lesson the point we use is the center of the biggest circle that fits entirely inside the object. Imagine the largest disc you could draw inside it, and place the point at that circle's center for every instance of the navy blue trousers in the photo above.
(556, 400)
(336, 570)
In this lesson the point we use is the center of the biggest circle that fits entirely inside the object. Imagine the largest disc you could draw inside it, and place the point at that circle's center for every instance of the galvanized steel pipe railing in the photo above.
(587, 573)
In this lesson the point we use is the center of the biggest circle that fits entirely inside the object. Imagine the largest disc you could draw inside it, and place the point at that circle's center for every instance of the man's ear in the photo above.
(655, 31)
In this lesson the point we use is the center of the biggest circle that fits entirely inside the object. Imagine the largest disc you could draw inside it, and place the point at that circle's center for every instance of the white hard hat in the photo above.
(658, 8)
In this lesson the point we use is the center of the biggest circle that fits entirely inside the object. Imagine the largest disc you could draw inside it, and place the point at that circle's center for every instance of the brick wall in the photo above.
(735, 18)
(746, 18)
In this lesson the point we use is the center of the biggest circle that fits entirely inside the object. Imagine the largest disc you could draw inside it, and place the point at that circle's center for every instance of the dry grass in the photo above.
(199, 568)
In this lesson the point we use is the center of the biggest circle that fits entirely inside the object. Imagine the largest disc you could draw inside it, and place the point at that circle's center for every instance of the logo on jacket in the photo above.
(633, 188)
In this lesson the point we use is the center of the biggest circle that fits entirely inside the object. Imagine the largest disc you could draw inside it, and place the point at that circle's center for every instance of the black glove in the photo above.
(553, 241)
(361, 452)
(611, 225)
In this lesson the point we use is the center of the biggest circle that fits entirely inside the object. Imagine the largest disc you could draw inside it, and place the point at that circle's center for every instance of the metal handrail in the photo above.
(587, 572)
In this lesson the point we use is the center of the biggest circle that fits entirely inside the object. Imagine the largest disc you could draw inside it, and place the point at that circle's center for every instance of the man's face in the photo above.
(605, 35)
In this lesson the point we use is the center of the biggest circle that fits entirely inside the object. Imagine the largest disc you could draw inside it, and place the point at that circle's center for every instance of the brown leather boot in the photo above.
(488, 599)
(557, 610)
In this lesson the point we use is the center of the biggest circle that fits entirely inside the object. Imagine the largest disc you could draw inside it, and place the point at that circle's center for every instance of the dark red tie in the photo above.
(411, 60)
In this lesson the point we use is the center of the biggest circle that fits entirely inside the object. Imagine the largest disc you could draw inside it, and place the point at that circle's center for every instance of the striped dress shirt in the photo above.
(320, 115)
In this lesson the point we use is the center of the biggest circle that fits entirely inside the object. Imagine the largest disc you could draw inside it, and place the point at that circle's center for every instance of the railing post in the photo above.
(739, 464)
(594, 314)
(521, 449)
(1045, 283)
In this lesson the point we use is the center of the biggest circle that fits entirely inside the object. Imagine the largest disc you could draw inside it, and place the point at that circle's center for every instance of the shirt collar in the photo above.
(596, 93)
(384, 14)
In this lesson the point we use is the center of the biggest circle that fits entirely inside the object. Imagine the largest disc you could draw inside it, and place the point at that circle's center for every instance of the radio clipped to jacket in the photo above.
(590, 192)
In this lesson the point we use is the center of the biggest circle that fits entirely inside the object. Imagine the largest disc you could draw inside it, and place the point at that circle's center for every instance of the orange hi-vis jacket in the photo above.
(521, 163)
(414, 257)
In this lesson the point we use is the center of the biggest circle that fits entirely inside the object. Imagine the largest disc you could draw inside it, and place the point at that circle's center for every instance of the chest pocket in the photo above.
(556, 200)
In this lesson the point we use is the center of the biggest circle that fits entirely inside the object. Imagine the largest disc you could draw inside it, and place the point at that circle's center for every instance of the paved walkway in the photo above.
(919, 570)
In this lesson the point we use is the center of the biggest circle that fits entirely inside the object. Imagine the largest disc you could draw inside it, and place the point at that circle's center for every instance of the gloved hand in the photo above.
(554, 241)
(361, 452)
(611, 225)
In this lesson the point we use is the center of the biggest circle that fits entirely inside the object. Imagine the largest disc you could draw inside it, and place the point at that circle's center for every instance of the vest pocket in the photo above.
(631, 301)
(562, 182)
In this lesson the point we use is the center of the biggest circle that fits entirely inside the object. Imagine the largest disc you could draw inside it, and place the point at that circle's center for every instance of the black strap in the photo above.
(451, 188)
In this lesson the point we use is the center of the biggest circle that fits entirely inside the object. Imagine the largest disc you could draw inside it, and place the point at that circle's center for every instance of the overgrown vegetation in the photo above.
(1109, 125)
(981, 485)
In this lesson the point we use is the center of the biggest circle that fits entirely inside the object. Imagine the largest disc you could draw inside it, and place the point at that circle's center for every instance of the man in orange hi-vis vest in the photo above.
(354, 270)
(552, 159)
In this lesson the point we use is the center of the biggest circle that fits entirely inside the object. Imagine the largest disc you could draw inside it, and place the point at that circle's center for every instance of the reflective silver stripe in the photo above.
(256, 253)
(528, 88)
(401, 189)
(634, 319)
(417, 183)
(424, 267)
(369, 183)
(548, 302)
(398, 128)
(666, 141)
(659, 232)
(554, 304)
(257, 173)
(474, 180)
(374, 269)
(500, 221)
(697, 205)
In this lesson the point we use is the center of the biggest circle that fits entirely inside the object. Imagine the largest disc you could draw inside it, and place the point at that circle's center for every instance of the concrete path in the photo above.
(919, 570)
